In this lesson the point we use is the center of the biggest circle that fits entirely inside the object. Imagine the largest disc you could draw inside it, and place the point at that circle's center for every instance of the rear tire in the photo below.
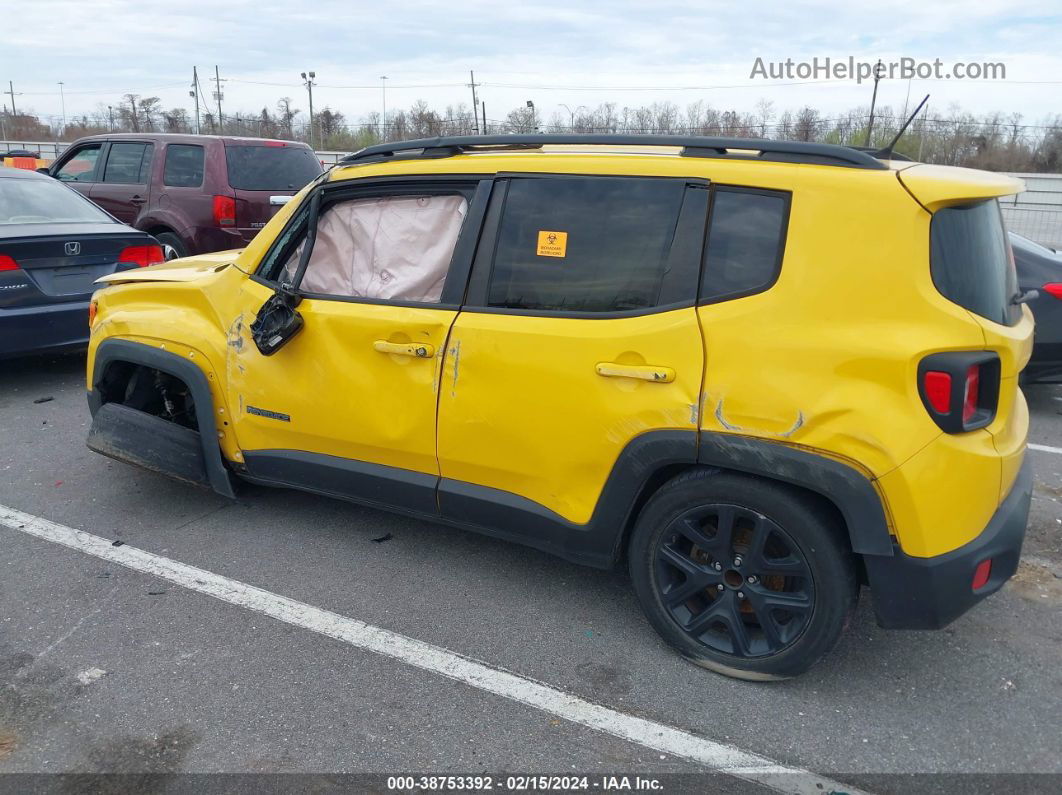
(172, 247)
(744, 576)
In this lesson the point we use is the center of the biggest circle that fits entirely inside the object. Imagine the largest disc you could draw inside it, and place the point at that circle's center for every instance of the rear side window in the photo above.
(584, 244)
(184, 166)
(267, 167)
(746, 237)
(971, 262)
(128, 163)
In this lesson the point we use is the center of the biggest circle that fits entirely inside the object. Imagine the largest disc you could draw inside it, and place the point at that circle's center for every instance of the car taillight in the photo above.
(969, 400)
(960, 390)
(224, 211)
(142, 256)
(7, 263)
(938, 390)
(1055, 289)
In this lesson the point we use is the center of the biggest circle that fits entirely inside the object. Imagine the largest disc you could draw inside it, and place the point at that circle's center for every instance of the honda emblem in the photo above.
(72, 248)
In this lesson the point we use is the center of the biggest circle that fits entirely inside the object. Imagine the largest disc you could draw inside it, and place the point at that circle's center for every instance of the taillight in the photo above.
(960, 390)
(969, 398)
(7, 263)
(142, 256)
(1055, 289)
(224, 211)
(938, 390)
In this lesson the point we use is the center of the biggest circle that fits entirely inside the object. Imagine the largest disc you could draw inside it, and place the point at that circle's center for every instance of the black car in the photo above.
(1040, 268)
(54, 244)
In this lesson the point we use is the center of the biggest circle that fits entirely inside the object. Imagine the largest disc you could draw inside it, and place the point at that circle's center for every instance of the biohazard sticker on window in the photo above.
(552, 244)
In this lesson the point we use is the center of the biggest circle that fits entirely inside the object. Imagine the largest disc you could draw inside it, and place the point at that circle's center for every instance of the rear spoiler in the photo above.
(939, 186)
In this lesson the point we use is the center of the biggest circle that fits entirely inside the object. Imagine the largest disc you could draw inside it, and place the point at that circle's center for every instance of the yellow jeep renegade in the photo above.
(761, 373)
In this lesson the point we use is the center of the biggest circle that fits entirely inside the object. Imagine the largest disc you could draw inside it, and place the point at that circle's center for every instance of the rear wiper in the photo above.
(1024, 298)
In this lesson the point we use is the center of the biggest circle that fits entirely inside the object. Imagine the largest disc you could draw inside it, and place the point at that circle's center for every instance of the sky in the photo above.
(551, 52)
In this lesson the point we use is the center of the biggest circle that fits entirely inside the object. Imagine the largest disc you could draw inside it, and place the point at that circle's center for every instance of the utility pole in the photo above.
(383, 118)
(110, 118)
(219, 95)
(194, 93)
(483, 107)
(11, 93)
(878, 69)
(3, 127)
(62, 104)
(308, 82)
(475, 102)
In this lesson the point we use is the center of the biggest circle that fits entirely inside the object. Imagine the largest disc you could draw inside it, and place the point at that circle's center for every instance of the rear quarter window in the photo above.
(265, 167)
(746, 238)
(971, 261)
(184, 166)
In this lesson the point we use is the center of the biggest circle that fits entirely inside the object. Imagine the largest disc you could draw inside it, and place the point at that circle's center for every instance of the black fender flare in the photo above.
(117, 350)
(846, 487)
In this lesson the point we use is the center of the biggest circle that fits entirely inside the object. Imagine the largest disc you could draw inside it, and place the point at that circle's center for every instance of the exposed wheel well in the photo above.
(158, 229)
(667, 473)
(149, 390)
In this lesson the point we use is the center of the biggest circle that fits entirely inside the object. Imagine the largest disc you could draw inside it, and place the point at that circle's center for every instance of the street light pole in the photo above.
(383, 117)
(879, 68)
(308, 82)
(62, 104)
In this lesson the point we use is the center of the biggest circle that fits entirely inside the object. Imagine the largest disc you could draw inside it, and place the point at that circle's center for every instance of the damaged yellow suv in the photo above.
(761, 374)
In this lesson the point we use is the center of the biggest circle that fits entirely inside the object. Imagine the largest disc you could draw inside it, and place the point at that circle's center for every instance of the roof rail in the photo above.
(692, 146)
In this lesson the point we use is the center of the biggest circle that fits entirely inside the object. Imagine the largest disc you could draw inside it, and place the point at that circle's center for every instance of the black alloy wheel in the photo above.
(734, 580)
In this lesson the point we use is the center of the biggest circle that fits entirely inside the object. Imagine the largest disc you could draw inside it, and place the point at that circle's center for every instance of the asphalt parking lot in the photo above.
(109, 669)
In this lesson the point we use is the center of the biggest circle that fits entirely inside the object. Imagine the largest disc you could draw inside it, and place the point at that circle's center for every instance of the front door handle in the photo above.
(419, 350)
(137, 200)
(644, 372)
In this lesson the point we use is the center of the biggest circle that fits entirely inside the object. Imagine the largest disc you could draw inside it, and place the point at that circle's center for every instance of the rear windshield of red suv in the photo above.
(271, 167)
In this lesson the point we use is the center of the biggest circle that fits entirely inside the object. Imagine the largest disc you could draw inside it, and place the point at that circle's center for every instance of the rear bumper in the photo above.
(929, 593)
(40, 329)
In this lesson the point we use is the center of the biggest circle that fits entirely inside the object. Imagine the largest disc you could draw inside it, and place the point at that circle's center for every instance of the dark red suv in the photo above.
(194, 193)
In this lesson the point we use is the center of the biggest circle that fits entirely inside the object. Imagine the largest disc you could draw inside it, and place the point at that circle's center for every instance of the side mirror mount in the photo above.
(277, 322)
(44, 170)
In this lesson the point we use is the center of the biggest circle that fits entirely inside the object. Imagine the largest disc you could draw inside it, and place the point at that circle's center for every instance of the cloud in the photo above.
(110, 47)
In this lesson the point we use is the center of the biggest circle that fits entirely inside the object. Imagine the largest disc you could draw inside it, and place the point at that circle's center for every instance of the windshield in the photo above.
(271, 167)
(45, 201)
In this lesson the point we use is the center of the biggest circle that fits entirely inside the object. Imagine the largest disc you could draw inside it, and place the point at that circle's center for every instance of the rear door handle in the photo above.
(419, 350)
(644, 372)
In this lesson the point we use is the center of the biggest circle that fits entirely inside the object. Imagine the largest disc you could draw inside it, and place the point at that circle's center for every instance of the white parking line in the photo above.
(658, 736)
(1043, 448)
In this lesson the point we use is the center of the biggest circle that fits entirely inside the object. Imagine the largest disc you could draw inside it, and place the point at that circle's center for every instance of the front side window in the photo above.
(746, 236)
(394, 248)
(82, 166)
(584, 244)
(184, 166)
(128, 163)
